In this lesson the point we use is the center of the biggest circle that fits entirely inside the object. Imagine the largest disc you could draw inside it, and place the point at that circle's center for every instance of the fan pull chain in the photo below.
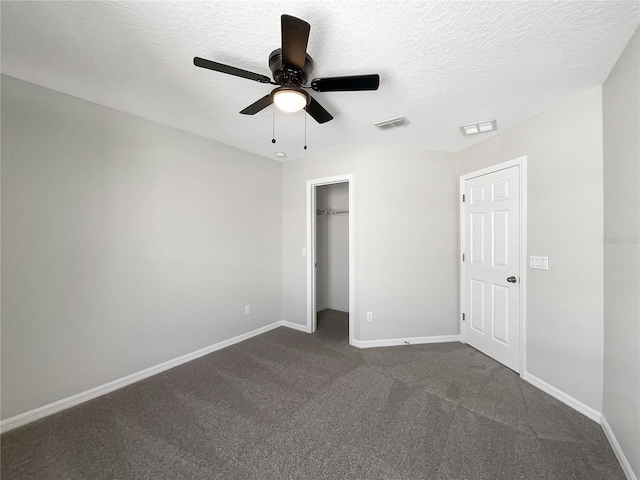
(273, 138)
(305, 128)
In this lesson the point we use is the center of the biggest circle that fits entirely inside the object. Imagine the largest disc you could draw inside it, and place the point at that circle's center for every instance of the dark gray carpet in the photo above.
(287, 405)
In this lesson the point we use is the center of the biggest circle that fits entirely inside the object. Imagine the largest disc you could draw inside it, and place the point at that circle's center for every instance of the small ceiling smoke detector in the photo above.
(479, 127)
(392, 123)
(281, 155)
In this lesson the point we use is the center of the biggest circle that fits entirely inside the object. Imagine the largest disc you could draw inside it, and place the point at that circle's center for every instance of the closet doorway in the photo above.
(330, 260)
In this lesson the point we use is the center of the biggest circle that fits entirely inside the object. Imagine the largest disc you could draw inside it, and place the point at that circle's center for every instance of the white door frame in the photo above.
(522, 162)
(311, 249)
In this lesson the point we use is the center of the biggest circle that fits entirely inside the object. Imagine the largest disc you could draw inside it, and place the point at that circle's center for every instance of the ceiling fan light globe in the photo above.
(290, 100)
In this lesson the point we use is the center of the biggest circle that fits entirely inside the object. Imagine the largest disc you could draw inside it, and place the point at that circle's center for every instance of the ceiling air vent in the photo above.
(479, 127)
(392, 123)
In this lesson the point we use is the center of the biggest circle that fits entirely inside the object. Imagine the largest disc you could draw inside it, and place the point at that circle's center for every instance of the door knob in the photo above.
(512, 279)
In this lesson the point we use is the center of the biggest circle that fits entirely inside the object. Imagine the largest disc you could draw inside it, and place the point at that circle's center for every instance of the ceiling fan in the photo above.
(291, 67)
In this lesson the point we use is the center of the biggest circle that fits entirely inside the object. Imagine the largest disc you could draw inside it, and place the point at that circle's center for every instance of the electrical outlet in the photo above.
(247, 309)
(369, 316)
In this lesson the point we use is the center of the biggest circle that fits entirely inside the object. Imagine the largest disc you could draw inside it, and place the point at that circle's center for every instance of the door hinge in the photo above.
(463, 257)
(463, 319)
(463, 198)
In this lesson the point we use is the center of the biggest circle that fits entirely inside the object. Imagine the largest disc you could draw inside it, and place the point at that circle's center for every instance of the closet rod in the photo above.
(331, 212)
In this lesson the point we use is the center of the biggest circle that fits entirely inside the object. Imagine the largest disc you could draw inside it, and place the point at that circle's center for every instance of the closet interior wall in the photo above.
(332, 247)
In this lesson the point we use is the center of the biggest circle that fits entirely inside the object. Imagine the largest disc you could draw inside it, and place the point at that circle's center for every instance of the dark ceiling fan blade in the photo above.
(295, 35)
(261, 104)
(346, 84)
(317, 111)
(238, 72)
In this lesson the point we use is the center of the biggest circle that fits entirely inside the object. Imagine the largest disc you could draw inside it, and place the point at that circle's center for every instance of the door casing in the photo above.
(311, 249)
(522, 162)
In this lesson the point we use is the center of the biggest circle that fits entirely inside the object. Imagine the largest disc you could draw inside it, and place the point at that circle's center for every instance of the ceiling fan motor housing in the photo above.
(287, 75)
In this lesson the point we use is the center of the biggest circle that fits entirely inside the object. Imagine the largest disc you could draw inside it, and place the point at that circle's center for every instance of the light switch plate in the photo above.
(541, 263)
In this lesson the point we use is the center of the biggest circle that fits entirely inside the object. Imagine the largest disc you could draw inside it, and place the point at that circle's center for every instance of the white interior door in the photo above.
(492, 247)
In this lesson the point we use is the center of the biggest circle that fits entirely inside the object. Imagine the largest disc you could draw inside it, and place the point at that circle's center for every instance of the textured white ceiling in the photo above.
(442, 64)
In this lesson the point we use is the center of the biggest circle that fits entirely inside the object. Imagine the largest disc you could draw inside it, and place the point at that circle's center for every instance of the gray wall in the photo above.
(621, 94)
(565, 208)
(406, 239)
(125, 244)
(332, 248)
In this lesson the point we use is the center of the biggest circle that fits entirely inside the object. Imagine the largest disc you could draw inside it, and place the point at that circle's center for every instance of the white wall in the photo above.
(565, 209)
(125, 244)
(322, 251)
(332, 248)
(621, 94)
(406, 239)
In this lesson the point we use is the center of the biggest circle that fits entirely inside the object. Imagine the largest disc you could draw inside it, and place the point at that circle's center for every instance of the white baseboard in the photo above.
(333, 307)
(624, 463)
(338, 308)
(563, 397)
(405, 341)
(295, 326)
(65, 403)
(588, 412)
